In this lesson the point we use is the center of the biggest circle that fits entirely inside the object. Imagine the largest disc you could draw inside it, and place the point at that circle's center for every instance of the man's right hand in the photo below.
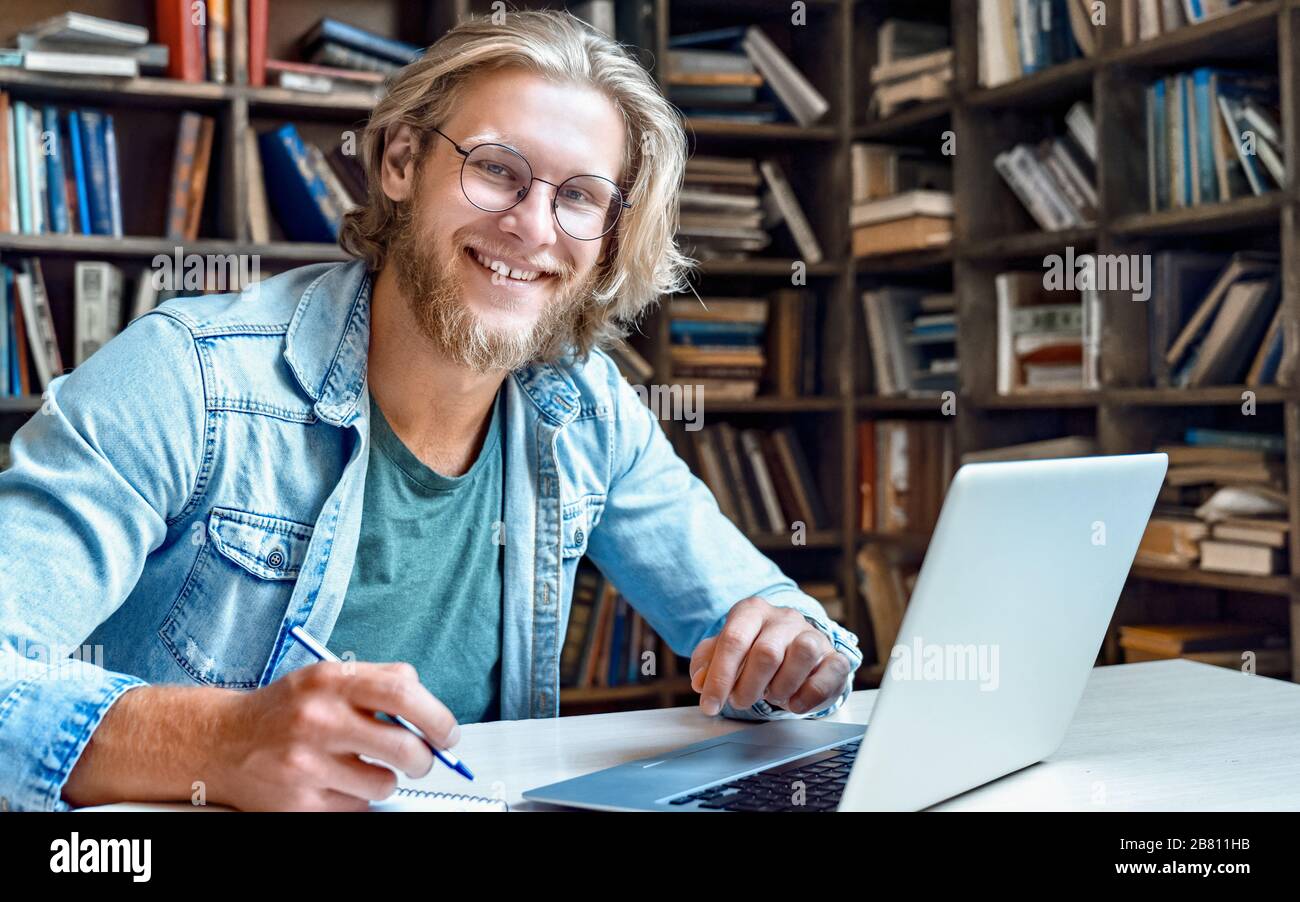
(293, 744)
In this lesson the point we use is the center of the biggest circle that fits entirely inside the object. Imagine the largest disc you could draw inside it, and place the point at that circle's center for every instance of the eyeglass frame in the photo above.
(623, 204)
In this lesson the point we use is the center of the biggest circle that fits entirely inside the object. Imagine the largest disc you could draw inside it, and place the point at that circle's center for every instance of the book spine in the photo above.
(300, 199)
(92, 140)
(187, 136)
(24, 182)
(79, 171)
(218, 29)
(257, 25)
(112, 178)
(36, 156)
(180, 32)
(54, 180)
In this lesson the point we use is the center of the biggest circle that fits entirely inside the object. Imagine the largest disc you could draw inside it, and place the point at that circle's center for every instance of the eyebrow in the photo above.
(508, 140)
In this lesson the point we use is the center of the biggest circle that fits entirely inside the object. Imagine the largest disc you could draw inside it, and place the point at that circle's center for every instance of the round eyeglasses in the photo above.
(495, 178)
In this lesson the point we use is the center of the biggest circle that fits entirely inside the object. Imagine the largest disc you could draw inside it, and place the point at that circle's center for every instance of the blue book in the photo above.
(297, 193)
(719, 37)
(55, 185)
(1206, 123)
(78, 170)
(11, 292)
(1226, 438)
(1026, 16)
(114, 182)
(6, 288)
(714, 327)
(21, 164)
(1160, 144)
(92, 143)
(359, 39)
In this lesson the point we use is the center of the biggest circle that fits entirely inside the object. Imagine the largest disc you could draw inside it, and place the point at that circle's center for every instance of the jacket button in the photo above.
(577, 537)
(275, 559)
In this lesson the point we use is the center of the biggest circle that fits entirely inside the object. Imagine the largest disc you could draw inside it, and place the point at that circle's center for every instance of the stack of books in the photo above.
(78, 44)
(760, 478)
(607, 642)
(1021, 37)
(1225, 334)
(721, 208)
(729, 206)
(902, 200)
(1212, 135)
(1147, 19)
(59, 171)
(910, 221)
(1056, 179)
(719, 343)
(335, 56)
(913, 338)
(1259, 646)
(29, 344)
(904, 467)
(913, 65)
(740, 75)
(1049, 339)
(308, 190)
(1223, 505)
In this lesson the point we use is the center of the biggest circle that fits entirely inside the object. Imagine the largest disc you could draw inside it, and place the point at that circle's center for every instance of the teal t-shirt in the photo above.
(426, 586)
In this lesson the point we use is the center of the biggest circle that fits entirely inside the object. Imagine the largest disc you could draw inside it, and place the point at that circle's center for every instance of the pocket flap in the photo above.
(269, 547)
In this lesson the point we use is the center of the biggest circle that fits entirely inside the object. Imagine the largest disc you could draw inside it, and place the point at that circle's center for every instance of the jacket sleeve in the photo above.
(97, 474)
(663, 541)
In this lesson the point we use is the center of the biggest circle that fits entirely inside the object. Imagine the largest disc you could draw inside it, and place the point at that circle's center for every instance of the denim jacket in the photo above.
(194, 490)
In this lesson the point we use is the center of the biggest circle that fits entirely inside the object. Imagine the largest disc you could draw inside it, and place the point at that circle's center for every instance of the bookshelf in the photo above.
(834, 48)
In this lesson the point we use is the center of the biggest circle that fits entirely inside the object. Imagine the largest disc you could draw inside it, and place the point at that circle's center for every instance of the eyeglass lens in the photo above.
(495, 178)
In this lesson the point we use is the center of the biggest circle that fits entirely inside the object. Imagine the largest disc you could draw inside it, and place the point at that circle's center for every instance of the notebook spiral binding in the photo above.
(450, 796)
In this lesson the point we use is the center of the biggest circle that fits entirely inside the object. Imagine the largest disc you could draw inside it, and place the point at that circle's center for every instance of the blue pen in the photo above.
(324, 654)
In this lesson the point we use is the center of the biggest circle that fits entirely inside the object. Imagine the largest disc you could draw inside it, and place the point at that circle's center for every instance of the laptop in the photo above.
(1010, 608)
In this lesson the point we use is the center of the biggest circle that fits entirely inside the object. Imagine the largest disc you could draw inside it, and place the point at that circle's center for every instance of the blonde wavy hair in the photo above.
(642, 260)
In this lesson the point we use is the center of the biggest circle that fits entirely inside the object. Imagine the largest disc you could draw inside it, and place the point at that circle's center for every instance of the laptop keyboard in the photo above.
(822, 776)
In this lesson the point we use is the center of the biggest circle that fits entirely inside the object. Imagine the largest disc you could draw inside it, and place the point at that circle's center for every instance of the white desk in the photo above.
(1165, 735)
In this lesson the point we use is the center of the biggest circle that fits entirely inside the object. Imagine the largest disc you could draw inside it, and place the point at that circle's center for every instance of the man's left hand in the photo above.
(768, 652)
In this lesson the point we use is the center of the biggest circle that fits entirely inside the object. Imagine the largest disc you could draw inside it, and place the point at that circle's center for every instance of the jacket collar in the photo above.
(328, 341)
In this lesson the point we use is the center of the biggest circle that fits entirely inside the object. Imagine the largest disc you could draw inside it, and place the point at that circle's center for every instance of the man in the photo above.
(406, 455)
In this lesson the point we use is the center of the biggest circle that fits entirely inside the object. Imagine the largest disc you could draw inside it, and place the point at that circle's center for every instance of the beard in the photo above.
(430, 278)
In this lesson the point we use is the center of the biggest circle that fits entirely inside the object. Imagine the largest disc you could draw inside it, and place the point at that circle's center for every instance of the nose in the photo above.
(531, 220)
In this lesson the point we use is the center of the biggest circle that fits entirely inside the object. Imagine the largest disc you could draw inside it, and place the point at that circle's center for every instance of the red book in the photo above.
(186, 56)
(257, 15)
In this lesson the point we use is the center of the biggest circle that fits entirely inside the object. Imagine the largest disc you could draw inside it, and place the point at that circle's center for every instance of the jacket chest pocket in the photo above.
(223, 625)
(578, 518)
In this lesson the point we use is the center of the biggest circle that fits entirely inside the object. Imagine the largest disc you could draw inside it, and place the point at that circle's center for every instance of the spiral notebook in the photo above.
(405, 799)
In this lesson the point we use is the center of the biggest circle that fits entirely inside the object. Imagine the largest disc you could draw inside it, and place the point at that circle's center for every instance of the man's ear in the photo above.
(398, 169)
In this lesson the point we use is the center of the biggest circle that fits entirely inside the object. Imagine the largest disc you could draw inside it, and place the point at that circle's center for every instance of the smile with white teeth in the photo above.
(502, 269)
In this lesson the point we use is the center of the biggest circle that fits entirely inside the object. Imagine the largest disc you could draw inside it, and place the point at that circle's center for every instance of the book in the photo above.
(333, 31)
(788, 202)
(1238, 557)
(98, 307)
(187, 51)
(795, 92)
(298, 196)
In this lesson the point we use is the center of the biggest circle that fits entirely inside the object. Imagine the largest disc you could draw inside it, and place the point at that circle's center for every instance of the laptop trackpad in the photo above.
(732, 757)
